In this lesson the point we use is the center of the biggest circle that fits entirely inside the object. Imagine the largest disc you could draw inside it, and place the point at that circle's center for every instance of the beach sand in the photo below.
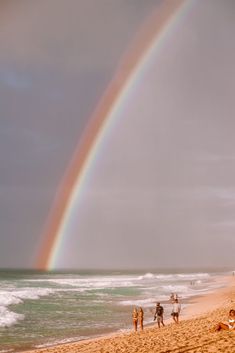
(192, 335)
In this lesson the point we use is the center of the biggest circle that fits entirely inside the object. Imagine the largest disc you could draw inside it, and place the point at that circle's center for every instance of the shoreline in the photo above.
(208, 308)
(211, 301)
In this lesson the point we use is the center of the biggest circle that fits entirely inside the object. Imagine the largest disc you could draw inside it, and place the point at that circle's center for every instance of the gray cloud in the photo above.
(15, 80)
(56, 60)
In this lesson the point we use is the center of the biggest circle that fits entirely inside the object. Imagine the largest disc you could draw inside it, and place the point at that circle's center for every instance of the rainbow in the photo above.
(129, 71)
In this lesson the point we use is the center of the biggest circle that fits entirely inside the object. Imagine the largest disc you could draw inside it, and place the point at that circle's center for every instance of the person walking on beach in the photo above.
(159, 315)
(135, 318)
(176, 311)
(141, 318)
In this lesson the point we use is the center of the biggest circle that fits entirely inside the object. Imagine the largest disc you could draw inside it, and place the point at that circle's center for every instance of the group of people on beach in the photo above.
(138, 314)
(138, 318)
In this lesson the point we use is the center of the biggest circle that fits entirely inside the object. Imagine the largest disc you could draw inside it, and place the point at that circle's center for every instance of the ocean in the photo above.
(40, 309)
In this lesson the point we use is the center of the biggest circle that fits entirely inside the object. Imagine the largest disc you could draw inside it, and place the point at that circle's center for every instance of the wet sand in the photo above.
(192, 335)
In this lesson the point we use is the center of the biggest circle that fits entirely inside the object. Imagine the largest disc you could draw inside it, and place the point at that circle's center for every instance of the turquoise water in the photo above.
(39, 309)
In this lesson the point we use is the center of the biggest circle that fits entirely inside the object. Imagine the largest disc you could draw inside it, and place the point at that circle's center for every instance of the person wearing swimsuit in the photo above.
(141, 318)
(135, 318)
(230, 325)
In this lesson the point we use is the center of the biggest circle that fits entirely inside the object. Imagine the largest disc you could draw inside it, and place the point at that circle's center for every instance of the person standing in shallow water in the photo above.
(135, 318)
(141, 318)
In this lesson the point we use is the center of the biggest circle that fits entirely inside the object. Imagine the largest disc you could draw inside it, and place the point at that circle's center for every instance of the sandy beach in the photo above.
(193, 333)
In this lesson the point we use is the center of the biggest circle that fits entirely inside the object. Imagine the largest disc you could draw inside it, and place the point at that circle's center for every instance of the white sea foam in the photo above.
(176, 288)
(143, 302)
(100, 282)
(183, 276)
(171, 276)
(13, 297)
(193, 276)
(95, 283)
(8, 298)
(33, 293)
(148, 275)
(9, 318)
(184, 291)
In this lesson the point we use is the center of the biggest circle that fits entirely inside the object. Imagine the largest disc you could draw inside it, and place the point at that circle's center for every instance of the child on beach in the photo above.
(141, 318)
(135, 318)
(229, 326)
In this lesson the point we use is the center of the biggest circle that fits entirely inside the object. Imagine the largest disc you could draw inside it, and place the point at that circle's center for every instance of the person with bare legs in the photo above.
(229, 326)
(176, 311)
(135, 318)
(141, 318)
(159, 315)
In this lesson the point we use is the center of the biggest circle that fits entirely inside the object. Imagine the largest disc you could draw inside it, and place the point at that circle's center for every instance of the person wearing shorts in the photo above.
(176, 311)
(159, 315)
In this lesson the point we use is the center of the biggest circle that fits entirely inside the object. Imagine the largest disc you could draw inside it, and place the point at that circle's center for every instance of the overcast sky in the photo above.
(162, 190)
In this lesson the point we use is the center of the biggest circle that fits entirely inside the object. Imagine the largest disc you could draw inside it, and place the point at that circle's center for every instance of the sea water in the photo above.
(39, 309)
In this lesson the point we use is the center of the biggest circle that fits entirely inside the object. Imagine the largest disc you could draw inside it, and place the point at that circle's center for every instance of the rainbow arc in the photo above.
(130, 69)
